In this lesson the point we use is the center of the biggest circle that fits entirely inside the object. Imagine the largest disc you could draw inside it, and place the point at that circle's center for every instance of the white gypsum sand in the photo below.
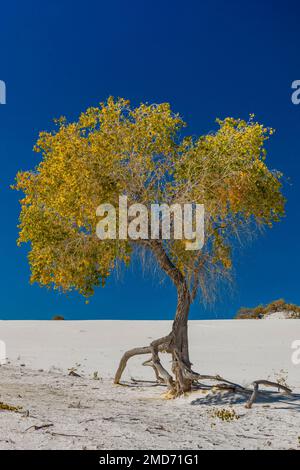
(83, 412)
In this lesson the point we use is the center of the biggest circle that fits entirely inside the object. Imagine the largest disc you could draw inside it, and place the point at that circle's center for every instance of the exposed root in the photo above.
(267, 383)
(126, 356)
(231, 386)
(184, 377)
(160, 344)
(160, 370)
(149, 362)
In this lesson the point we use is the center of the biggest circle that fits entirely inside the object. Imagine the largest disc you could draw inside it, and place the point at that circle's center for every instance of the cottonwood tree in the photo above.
(114, 150)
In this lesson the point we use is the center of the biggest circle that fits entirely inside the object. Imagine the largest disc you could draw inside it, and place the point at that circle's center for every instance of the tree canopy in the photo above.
(141, 152)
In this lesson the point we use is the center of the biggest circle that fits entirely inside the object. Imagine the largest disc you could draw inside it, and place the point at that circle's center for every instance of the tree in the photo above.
(114, 150)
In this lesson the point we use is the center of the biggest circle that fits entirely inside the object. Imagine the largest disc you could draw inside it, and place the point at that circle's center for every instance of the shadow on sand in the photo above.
(264, 397)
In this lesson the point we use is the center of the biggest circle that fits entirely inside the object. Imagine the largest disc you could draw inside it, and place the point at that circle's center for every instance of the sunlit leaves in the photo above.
(115, 149)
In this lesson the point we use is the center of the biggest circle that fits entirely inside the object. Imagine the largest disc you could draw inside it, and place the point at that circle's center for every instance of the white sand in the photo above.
(88, 413)
(286, 314)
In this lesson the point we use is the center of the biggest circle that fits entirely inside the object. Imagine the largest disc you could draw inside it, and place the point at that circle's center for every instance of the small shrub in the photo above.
(58, 317)
(6, 407)
(277, 306)
(281, 378)
(225, 414)
(261, 310)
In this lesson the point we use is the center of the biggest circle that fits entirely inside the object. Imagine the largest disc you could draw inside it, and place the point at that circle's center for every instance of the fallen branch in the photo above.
(64, 435)
(267, 383)
(36, 427)
(73, 373)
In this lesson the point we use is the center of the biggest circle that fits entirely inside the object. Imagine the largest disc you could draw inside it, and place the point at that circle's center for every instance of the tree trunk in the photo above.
(176, 343)
(179, 342)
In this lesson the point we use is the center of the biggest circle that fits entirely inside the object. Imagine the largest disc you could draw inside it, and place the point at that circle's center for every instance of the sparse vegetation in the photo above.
(6, 407)
(58, 317)
(261, 310)
(224, 414)
(281, 377)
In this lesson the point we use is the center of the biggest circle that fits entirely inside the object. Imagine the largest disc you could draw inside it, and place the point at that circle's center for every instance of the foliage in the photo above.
(6, 407)
(115, 149)
(224, 414)
(261, 310)
(281, 377)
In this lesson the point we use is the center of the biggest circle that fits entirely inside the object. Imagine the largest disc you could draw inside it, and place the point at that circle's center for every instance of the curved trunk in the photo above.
(179, 342)
(176, 343)
(180, 323)
(179, 346)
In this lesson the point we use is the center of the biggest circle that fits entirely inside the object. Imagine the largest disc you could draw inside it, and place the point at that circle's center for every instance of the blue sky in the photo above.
(208, 59)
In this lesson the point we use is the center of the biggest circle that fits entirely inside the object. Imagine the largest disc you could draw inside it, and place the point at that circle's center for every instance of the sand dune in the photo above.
(83, 412)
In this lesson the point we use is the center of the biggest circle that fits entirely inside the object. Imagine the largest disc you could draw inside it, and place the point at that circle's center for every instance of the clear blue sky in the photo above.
(208, 59)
